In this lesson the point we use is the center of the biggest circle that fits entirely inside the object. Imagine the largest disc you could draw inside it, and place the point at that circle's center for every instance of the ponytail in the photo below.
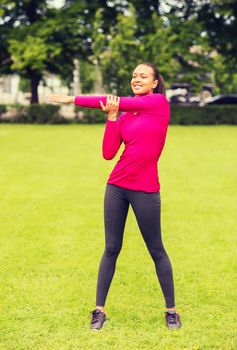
(160, 88)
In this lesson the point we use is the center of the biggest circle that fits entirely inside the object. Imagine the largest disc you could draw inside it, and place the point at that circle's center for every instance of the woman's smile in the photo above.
(142, 81)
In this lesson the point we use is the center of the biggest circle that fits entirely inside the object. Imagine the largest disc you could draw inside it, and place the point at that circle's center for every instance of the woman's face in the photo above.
(142, 81)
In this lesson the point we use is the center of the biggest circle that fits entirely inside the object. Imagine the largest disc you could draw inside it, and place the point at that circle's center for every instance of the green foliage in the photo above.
(24, 85)
(100, 39)
(33, 48)
(87, 76)
(30, 52)
(183, 115)
(3, 109)
(217, 21)
(159, 48)
(179, 37)
(220, 22)
(90, 115)
(178, 50)
(37, 114)
(144, 12)
(24, 50)
(176, 47)
(224, 75)
(207, 115)
(39, 39)
(118, 60)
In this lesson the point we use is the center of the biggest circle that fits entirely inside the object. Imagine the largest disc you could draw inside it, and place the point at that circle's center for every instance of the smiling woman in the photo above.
(134, 180)
(147, 80)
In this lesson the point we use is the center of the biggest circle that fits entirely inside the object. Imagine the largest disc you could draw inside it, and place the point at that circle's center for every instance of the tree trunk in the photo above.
(34, 83)
(76, 78)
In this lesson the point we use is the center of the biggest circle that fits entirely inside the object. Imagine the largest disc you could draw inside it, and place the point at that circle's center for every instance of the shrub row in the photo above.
(3, 109)
(90, 115)
(206, 115)
(184, 115)
(33, 114)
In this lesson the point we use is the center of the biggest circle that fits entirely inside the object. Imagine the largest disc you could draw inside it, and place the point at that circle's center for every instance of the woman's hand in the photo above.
(112, 106)
(59, 98)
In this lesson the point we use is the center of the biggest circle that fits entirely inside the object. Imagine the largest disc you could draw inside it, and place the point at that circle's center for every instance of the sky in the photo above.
(57, 3)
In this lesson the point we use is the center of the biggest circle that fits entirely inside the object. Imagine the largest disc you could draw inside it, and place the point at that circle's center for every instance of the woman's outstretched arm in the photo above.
(60, 98)
(127, 104)
(148, 102)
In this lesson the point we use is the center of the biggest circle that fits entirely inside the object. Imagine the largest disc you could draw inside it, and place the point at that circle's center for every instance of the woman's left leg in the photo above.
(146, 207)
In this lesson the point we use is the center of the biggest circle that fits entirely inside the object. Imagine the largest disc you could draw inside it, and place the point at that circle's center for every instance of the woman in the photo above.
(134, 179)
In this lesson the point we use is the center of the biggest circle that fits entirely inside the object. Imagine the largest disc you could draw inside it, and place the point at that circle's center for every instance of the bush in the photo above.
(3, 109)
(90, 115)
(207, 115)
(36, 114)
(183, 115)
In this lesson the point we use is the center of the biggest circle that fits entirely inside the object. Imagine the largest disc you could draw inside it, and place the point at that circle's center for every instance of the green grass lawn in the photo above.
(52, 184)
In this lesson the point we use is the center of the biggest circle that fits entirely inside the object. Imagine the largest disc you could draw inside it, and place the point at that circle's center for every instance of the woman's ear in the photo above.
(155, 84)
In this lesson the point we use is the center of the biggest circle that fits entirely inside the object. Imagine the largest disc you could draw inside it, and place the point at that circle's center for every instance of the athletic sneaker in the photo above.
(172, 320)
(98, 319)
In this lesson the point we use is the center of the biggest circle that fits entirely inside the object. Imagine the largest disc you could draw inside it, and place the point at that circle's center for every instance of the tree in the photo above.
(144, 10)
(118, 53)
(36, 38)
(220, 21)
(174, 45)
(22, 50)
(224, 76)
(178, 37)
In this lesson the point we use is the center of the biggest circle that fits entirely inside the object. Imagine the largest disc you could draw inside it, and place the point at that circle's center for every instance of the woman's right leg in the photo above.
(115, 213)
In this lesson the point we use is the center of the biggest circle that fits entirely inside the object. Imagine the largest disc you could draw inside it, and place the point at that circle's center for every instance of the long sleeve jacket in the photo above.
(142, 128)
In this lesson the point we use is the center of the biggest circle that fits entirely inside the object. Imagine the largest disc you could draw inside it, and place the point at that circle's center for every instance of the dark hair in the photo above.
(160, 88)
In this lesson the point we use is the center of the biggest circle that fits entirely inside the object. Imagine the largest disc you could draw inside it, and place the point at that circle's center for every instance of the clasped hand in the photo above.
(112, 106)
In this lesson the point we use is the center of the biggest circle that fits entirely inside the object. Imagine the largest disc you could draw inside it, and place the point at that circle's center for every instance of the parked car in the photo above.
(177, 99)
(229, 99)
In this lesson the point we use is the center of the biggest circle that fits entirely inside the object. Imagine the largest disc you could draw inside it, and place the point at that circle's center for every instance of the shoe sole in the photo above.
(97, 330)
(175, 327)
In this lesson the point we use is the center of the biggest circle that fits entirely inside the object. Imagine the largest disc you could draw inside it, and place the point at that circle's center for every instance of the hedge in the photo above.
(33, 114)
(90, 115)
(3, 109)
(206, 115)
(180, 114)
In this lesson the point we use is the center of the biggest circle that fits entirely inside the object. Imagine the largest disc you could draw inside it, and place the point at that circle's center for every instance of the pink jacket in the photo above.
(142, 129)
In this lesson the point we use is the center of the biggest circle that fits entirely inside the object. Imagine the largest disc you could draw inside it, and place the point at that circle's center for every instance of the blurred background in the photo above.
(91, 47)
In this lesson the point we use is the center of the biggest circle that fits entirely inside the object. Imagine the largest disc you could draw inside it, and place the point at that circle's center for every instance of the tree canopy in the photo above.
(192, 41)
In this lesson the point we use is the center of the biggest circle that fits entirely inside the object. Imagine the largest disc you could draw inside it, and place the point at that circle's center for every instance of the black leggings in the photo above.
(146, 207)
